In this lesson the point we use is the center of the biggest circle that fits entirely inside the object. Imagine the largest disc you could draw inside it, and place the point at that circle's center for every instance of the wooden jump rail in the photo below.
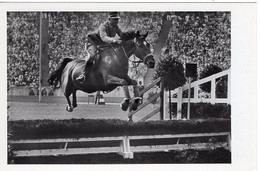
(124, 148)
(154, 97)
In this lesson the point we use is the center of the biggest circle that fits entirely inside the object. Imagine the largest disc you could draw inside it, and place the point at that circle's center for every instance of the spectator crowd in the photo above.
(67, 37)
(202, 37)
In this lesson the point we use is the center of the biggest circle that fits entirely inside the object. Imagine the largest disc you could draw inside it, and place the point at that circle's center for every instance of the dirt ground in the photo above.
(27, 108)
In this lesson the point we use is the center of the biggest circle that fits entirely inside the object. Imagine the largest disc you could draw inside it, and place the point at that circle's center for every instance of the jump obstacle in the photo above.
(154, 97)
(164, 97)
(122, 145)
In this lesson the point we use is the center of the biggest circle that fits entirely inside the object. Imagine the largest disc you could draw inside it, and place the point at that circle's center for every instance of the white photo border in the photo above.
(243, 65)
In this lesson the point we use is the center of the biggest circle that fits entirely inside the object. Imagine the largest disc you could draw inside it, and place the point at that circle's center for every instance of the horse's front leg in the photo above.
(112, 80)
(137, 99)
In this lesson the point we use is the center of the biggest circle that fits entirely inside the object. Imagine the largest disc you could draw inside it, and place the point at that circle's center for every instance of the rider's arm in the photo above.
(103, 35)
(119, 32)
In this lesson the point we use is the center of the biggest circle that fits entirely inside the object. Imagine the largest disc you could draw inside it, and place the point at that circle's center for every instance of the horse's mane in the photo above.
(130, 35)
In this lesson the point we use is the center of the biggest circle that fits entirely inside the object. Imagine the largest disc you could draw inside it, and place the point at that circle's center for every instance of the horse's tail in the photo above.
(55, 76)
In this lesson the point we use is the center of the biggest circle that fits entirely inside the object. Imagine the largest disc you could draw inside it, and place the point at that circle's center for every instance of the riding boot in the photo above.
(92, 52)
(82, 76)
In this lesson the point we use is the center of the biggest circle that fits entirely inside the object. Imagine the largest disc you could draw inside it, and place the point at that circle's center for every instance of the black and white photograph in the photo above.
(127, 84)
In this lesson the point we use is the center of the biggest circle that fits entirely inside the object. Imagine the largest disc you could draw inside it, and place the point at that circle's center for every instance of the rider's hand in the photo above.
(118, 41)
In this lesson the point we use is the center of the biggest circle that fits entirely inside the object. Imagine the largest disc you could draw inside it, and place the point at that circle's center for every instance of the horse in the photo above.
(109, 72)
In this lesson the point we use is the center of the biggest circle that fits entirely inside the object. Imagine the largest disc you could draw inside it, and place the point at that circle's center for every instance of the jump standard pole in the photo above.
(40, 53)
(43, 53)
(188, 108)
(191, 71)
(162, 114)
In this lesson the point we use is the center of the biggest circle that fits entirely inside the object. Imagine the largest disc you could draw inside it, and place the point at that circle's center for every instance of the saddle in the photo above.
(94, 38)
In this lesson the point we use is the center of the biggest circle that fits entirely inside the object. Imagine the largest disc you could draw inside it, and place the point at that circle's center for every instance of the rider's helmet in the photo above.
(113, 15)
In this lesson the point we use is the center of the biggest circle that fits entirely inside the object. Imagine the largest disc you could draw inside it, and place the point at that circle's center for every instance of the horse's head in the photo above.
(143, 50)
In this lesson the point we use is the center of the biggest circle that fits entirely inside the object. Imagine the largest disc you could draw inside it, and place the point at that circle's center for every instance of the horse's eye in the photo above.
(147, 44)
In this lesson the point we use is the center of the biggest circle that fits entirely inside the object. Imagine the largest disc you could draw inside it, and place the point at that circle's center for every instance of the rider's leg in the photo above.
(92, 51)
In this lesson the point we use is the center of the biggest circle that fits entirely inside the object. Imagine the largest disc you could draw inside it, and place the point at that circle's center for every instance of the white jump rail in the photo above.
(179, 99)
(154, 97)
(125, 149)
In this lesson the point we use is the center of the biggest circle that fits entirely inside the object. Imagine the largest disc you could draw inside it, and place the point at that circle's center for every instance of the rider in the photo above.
(107, 32)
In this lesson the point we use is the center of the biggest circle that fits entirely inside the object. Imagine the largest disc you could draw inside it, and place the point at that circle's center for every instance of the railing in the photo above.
(120, 144)
(179, 99)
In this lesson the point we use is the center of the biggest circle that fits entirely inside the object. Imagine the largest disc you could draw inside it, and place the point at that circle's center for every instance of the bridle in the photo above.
(134, 62)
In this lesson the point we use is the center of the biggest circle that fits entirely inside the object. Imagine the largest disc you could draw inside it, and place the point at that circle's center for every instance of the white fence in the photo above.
(124, 147)
(196, 99)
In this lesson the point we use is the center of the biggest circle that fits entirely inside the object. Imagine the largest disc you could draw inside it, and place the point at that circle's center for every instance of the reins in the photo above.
(135, 63)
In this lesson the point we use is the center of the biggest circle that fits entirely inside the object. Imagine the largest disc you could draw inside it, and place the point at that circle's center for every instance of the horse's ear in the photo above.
(137, 35)
(146, 35)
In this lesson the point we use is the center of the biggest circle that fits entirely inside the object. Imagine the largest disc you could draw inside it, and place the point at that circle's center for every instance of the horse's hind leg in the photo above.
(74, 100)
(69, 108)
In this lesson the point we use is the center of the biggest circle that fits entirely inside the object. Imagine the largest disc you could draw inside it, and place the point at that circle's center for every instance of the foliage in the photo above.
(221, 88)
(10, 151)
(204, 110)
(208, 71)
(173, 72)
(219, 155)
(76, 128)
(11, 154)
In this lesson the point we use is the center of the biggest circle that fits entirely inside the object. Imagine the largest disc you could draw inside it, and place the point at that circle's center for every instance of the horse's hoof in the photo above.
(134, 106)
(124, 105)
(135, 103)
(69, 109)
(137, 100)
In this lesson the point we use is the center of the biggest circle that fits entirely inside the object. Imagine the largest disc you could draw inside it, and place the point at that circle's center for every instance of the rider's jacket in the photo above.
(107, 32)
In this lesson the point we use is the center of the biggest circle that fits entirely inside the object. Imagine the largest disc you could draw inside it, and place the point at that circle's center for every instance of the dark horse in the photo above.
(108, 72)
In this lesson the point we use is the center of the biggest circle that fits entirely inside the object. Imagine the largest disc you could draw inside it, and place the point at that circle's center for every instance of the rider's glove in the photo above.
(118, 41)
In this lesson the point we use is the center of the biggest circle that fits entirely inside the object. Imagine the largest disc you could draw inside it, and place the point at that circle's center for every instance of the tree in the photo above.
(173, 72)
(208, 71)
(221, 83)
